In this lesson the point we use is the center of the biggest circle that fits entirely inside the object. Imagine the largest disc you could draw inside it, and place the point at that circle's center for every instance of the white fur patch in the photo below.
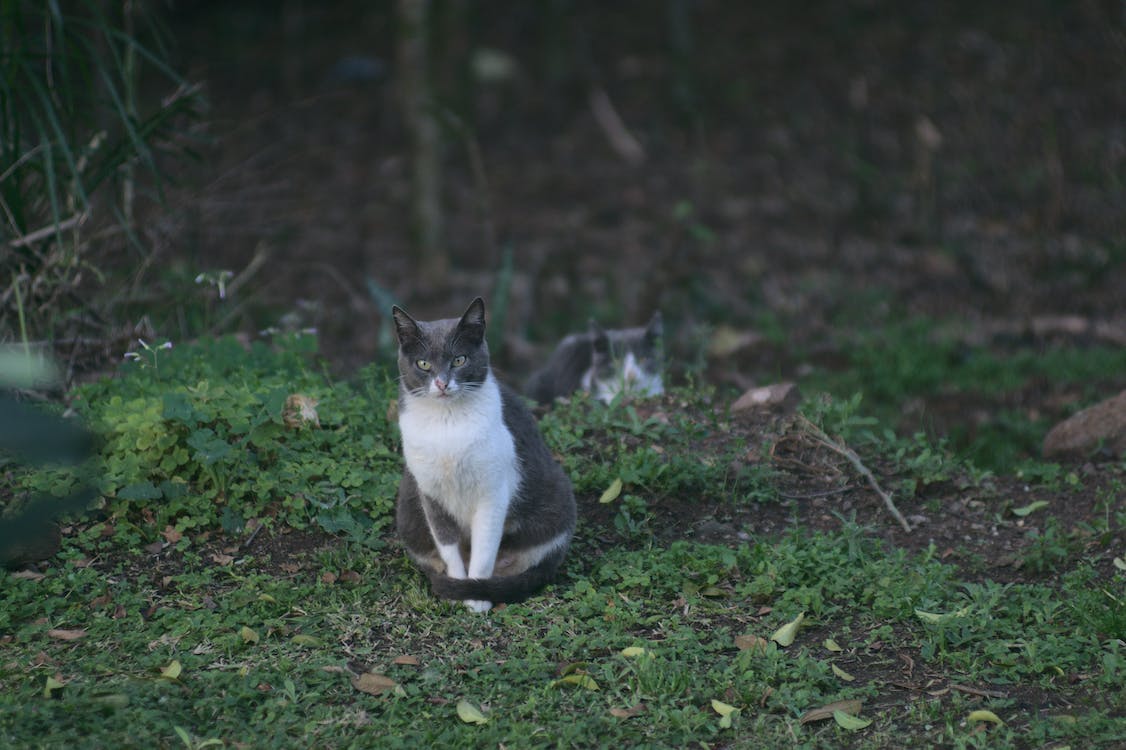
(633, 379)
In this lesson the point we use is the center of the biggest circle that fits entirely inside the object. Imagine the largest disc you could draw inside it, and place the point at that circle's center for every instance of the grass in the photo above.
(167, 622)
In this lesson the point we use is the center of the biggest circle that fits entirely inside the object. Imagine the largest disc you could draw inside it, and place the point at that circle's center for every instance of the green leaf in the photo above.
(849, 722)
(52, 685)
(831, 645)
(145, 490)
(841, 673)
(469, 713)
(612, 492)
(635, 651)
(178, 408)
(172, 671)
(302, 639)
(248, 635)
(785, 635)
(935, 617)
(208, 446)
(1030, 508)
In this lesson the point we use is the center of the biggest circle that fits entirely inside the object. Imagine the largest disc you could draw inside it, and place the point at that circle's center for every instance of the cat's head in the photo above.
(442, 359)
(627, 361)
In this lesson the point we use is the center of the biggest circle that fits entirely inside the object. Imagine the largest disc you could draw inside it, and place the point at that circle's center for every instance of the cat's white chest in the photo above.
(461, 453)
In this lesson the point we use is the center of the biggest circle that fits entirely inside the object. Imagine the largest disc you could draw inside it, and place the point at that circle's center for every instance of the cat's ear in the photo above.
(405, 326)
(598, 338)
(473, 321)
(655, 329)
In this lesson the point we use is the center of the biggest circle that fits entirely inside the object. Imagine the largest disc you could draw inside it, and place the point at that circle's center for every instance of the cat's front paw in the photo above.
(477, 605)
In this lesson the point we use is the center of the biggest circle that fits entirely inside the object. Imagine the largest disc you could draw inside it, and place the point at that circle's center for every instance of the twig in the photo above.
(250, 539)
(861, 469)
(813, 495)
(621, 140)
(979, 691)
(47, 231)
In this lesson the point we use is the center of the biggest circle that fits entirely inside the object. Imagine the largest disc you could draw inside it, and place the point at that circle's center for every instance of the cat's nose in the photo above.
(440, 384)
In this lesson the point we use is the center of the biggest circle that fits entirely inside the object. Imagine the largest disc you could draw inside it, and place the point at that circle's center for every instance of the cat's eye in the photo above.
(422, 364)
(459, 360)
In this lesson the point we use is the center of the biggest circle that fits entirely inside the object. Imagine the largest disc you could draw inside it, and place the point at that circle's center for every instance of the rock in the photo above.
(1083, 432)
(778, 397)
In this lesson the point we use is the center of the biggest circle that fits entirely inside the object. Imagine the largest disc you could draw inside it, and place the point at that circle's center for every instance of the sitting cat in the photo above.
(603, 363)
(483, 507)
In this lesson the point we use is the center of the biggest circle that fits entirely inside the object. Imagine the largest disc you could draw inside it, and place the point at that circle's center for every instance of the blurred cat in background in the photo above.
(604, 363)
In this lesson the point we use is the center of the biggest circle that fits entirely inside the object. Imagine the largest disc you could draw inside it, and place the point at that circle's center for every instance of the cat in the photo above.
(604, 363)
(483, 507)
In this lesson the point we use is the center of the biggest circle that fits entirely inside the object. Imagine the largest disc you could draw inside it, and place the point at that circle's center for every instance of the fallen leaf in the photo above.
(753, 643)
(328, 577)
(63, 634)
(112, 700)
(52, 684)
(725, 711)
(469, 713)
(373, 683)
(100, 601)
(578, 679)
(831, 645)
(612, 492)
(222, 559)
(841, 673)
(29, 575)
(407, 659)
(785, 635)
(301, 639)
(1119, 563)
(850, 722)
(248, 635)
(349, 576)
(627, 713)
(172, 671)
(826, 712)
(635, 651)
(155, 547)
(171, 535)
(1030, 508)
(118, 612)
(712, 591)
(935, 617)
(983, 715)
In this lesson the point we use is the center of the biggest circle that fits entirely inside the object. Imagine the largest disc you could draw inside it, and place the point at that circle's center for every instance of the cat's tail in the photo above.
(509, 589)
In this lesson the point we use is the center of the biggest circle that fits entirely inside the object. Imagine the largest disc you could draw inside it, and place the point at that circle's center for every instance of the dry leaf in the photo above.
(349, 576)
(756, 644)
(627, 713)
(171, 535)
(29, 575)
(222, 559)
(328, 577)
(67, 635)
(826, 712)
(373, 683)
(407, 659)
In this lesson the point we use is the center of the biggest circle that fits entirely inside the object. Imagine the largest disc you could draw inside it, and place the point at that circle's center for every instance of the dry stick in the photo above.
(47, 231)
(979, 691)
(861, 469)
(621, 140)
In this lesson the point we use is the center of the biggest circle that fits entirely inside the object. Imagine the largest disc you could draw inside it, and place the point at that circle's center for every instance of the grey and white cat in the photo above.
(483, 507)
(603, 363)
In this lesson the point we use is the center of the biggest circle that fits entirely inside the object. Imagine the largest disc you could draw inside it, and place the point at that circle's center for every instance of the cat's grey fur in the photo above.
(483, 508)
(603, 363)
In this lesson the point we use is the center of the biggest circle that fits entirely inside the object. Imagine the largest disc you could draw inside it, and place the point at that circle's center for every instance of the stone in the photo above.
(777, 397)
(1103, 424)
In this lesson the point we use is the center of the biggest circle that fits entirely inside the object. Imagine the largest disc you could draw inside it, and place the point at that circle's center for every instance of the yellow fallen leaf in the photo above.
(52, 685)
(831, 645)
(248, 635)
(721, 708)
(1030, 508)
(785, 635)
(841, 673)
(172, 671)
(936, 617)
(578, 679)
(633, 652)
(983, 715)
(301, 639)
(373, 683)
(469, 713)
(407, 659)
(1119, 563)
(850, 722)
(612, 492)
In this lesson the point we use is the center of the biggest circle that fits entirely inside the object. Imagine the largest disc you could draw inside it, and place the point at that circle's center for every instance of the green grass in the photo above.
(212, 641)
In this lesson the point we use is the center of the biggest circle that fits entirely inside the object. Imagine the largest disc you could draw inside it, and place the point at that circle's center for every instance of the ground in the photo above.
(812, 177)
